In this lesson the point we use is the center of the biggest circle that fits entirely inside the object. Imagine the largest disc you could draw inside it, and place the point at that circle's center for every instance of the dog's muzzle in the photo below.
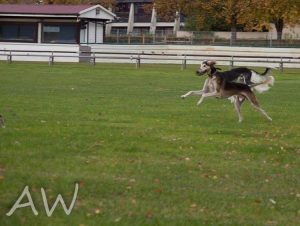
(199, 73)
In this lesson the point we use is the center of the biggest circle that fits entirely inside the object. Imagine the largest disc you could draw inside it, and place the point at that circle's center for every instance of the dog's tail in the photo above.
(268, 70)
(262, 82)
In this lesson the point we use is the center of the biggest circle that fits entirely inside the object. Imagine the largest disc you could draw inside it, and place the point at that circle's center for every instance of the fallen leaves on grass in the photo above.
(258, 201)
(149, 214)
(156, 181)
(81, 184)
(158, 190)
(118, 219)
(97, 211)
(132, 180)
(193, 205)
(215, 177)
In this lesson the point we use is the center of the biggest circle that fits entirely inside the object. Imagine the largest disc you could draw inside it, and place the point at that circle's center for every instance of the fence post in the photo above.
(231, 63)
(129, 41)
(118, 33)
(138, 62)
(93, 60)
(281, 65)
(270, 40)
(183, 65)
(143, 39)
(9, 58)
(51, 60)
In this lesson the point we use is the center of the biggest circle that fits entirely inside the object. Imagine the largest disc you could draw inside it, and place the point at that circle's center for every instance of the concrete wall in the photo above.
(208, 52)
(44, 56)
(244, 35)
(288, 33)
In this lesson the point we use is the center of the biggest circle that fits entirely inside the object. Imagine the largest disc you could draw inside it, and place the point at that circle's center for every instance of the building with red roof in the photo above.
(53, 24)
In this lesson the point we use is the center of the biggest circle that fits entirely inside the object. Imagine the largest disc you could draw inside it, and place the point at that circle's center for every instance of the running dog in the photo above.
(219, 84)
(240, 75)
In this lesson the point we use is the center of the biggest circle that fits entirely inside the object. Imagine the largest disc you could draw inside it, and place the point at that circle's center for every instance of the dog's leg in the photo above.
(204, 95)
(263, 112)
(251, 97)
(237, 105)
(197, 92)
(192, 93)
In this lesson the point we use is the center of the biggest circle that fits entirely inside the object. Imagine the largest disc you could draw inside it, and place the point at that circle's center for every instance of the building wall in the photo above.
(93, 34)
(136, 20)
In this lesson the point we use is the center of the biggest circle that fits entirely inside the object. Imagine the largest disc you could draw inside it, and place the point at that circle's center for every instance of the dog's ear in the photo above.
(211, 62)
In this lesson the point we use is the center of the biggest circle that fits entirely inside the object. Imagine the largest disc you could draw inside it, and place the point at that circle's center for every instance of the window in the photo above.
(122, 11)
(18, 32)
(119, 31)
(142, 12)
(140, 30)
(60, 33)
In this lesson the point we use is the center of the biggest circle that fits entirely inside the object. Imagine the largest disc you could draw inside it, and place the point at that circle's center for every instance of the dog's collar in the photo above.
(213, 71)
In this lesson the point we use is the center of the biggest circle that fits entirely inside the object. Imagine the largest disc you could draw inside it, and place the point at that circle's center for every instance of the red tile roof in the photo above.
(42, 9)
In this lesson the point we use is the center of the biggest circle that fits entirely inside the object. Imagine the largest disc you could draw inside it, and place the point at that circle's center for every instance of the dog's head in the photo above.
(205, 67)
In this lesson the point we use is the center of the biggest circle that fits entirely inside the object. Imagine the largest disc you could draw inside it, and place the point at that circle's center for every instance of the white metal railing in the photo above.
(139, 58)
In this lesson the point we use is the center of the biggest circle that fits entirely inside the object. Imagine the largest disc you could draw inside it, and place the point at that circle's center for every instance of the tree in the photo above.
(166, 10)
(204, 14)
(279, 12)
(228, 12)
(198, 17)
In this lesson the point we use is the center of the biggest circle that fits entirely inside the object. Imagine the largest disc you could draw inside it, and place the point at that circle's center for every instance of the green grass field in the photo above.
(142, 155)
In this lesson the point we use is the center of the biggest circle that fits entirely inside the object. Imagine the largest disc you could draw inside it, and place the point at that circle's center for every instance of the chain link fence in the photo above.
(244, 39)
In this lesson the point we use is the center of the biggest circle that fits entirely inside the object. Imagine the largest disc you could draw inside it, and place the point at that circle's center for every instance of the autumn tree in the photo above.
(203, 14)
(229, 12)
(166, 10)
(279, 12)
(198, 17)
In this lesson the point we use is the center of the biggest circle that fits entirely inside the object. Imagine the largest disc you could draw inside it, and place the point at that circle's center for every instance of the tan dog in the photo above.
(226, 89)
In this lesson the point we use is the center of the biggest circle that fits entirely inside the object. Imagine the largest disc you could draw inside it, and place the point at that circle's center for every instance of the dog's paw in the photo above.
(183, 96)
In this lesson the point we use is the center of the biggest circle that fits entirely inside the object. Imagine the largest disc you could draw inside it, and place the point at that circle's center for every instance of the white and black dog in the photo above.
(234, 84)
